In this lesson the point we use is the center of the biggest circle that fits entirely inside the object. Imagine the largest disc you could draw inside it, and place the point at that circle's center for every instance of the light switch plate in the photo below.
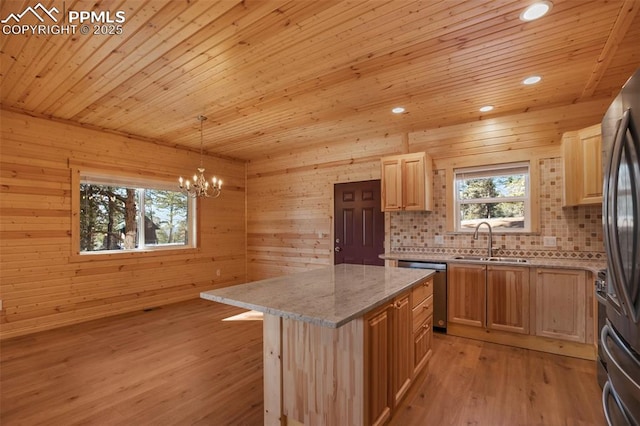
(439, 239)
(549, 241)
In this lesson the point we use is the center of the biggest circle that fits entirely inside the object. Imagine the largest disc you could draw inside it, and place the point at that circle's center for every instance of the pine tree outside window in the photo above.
(497, 194)
(118, 215)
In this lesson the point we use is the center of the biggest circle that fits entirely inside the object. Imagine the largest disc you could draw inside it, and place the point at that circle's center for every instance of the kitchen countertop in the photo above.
(329, 297)
(589, 265)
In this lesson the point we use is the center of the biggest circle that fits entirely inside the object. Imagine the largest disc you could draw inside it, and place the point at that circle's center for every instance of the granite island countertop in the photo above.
(330, 296)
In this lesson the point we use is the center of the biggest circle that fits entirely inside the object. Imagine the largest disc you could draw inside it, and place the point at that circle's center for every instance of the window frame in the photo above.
(146, 181)
(530, 219)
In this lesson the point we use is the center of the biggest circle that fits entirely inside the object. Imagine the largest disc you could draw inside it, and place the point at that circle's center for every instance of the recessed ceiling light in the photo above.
(532, 80)
(535, 11)
(486, 108)
(398, 110)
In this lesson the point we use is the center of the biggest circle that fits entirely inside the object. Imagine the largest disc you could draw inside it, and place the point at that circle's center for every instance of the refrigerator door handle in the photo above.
(634, 157)
(614, 260)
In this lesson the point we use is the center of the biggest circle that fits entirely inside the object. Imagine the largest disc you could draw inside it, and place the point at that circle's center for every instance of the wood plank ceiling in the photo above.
(275, 75)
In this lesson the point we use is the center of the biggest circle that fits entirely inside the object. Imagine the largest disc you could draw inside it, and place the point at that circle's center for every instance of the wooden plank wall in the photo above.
(289, 210)
(289, 197)
(290, 203)
(41, 286)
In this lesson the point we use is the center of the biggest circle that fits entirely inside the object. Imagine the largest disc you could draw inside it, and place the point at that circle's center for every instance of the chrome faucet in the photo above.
(475, 237)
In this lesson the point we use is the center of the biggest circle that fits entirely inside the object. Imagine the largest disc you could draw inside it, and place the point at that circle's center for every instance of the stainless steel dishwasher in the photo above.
(439, 290)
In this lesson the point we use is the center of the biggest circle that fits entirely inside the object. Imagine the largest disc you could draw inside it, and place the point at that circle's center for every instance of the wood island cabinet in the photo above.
(377, 365)
(397, 346)
(407, 182)
(389, 357)
(341, 352)
(582, 161)
(422, 314)
(401, 347)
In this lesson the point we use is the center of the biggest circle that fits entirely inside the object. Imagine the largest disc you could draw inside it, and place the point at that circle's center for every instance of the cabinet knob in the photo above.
(398, 305)
(425, 326)
(425, 306)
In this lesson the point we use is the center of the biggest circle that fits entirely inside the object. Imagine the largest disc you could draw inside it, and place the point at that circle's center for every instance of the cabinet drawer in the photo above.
(422, 291)
(422, 344)
(422, 312)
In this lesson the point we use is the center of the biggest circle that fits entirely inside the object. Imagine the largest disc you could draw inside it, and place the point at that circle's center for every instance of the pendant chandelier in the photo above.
(200, 187)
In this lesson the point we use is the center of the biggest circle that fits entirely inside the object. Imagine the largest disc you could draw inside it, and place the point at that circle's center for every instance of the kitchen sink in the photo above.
(508, 259)
(482, 258)
(493, 259)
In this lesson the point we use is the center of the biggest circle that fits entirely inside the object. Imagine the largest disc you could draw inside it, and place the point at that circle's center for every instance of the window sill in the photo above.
(131, 254)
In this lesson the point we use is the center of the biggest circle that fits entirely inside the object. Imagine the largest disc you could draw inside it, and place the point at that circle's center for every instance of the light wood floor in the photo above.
(182, 365)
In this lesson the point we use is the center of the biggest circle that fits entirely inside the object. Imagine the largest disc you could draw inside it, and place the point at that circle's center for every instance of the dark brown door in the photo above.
(359, 223)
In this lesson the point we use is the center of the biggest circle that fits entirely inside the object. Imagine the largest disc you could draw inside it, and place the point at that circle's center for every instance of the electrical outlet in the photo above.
(0, 304)
(549, 241)
(217, 272)
(439, 239)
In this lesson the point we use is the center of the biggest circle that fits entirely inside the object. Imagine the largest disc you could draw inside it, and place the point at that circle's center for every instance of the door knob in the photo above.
(337, 249)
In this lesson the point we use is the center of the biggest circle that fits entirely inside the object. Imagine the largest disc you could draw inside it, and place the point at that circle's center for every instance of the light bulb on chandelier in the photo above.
(200, 186)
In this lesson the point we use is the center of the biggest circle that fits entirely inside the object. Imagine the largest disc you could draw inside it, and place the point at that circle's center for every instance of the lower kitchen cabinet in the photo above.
(377, 366)
(401, 347)
(422, 302)
(508, 299)
(397, 347)
(467, 284)
(389, 357)
(422, 344)
(547, 309)
(561, 304)
(495, 297)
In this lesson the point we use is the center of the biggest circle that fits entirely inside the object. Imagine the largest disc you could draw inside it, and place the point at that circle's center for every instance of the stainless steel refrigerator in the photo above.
(620, 337)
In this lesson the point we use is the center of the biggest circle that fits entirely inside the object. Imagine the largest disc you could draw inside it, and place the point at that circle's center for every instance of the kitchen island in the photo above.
(341, 344)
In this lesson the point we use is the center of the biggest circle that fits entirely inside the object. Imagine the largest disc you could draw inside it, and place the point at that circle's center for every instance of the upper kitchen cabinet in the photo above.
(582, 158)
(407, 182)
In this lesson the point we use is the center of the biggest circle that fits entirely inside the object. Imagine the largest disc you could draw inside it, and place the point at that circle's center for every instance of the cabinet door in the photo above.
(391, 184)
(591, 155)
(377, 362)
(467, 294)
(413, 183)
(401, 347)
(508, 299)
(561, 304)
(407, 182)
(582, 161)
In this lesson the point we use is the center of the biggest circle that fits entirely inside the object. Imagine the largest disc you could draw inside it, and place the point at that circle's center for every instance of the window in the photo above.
(497, 194)
(118, 214)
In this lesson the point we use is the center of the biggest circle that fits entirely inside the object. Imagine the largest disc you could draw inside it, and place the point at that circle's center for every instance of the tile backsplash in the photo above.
(578, 230)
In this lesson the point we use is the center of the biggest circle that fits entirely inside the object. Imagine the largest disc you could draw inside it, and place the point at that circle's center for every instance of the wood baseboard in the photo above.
(536, 343)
